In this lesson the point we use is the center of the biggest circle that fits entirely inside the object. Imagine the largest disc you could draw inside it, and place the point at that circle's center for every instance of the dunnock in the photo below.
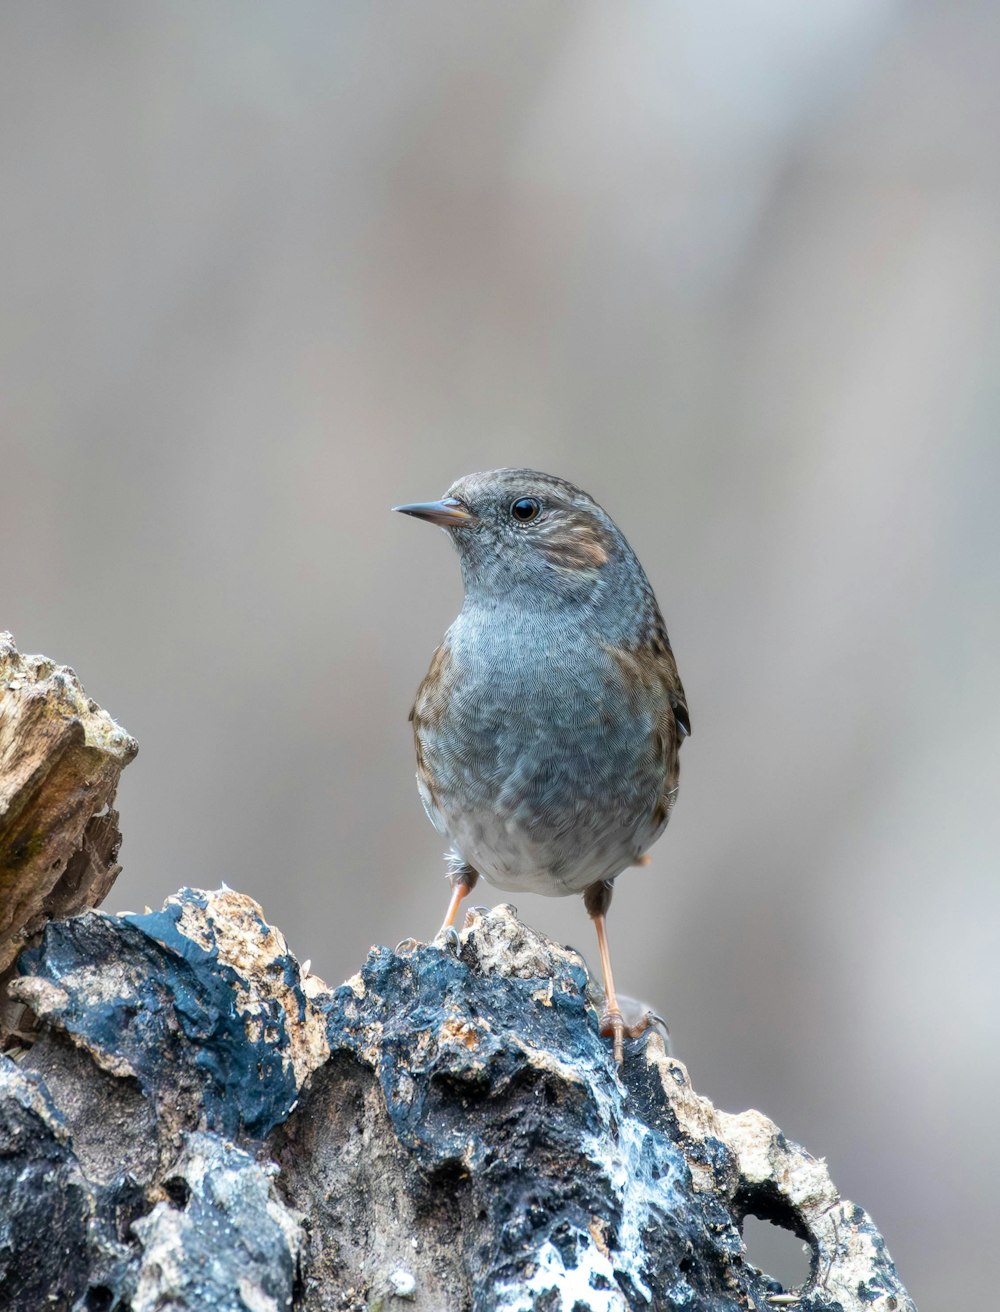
(549, 723)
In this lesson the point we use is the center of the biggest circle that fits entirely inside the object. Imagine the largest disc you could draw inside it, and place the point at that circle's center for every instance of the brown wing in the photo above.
(431, 701)
(428, 712)
(651, 669)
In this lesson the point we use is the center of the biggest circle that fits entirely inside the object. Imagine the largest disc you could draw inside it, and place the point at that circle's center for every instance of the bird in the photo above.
(549, 724)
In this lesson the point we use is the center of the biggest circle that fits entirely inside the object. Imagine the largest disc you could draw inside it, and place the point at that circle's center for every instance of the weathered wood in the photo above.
(60, 760)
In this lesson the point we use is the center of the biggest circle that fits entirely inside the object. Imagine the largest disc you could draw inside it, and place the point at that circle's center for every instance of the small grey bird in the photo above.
(548, 726)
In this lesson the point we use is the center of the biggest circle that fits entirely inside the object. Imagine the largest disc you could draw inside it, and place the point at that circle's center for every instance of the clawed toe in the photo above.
(406, 945)
(613, 1026)
(651, 1021)
(447, 939)
(648, 1020)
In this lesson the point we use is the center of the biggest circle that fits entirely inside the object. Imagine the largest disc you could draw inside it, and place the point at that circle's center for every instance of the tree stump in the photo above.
(201, 1124)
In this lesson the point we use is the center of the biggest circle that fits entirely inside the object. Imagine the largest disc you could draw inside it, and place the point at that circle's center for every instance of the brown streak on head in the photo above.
(575, 540)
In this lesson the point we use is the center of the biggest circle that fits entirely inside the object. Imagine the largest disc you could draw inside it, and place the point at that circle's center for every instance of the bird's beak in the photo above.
(448, 513)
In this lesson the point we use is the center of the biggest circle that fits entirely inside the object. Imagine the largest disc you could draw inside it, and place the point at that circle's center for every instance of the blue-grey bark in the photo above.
(202, 1126)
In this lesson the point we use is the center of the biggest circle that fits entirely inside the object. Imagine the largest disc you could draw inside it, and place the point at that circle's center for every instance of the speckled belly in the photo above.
(520, 842)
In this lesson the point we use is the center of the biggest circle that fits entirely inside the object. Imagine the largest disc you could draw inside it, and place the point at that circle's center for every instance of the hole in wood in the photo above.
(775, 1236)
(777, 1252)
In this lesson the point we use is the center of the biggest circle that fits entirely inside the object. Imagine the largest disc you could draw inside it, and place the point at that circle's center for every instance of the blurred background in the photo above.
(733, 268)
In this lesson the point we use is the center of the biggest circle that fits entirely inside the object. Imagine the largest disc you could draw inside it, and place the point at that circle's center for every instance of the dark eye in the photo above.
(525, 509)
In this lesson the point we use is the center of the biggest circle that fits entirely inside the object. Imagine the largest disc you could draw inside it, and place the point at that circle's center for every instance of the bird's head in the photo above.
(517, 528)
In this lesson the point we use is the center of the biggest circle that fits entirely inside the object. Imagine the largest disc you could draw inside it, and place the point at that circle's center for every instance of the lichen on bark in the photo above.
(448, 1123)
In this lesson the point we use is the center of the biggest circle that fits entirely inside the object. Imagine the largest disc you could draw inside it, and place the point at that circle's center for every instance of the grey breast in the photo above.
(543, 777)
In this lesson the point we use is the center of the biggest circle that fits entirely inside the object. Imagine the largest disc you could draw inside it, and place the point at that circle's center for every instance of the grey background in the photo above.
(732, 267)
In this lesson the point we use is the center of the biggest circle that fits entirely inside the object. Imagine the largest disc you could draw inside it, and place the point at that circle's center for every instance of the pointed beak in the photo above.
(449, 513)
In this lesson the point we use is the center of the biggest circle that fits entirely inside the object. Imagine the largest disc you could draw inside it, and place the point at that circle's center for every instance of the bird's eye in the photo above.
(525, 509)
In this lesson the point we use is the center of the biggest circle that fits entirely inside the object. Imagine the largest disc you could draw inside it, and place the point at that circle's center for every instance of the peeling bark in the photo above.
(60, 759)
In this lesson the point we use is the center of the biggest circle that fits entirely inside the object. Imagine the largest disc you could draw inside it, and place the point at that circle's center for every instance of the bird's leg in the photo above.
(463, 881)
(597, 899)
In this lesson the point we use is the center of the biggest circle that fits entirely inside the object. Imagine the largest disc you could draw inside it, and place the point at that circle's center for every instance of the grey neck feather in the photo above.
(613, 603)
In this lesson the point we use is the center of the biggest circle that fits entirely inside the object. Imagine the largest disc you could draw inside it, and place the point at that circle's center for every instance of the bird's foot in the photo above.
(612, 1026)
(651, 1021)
